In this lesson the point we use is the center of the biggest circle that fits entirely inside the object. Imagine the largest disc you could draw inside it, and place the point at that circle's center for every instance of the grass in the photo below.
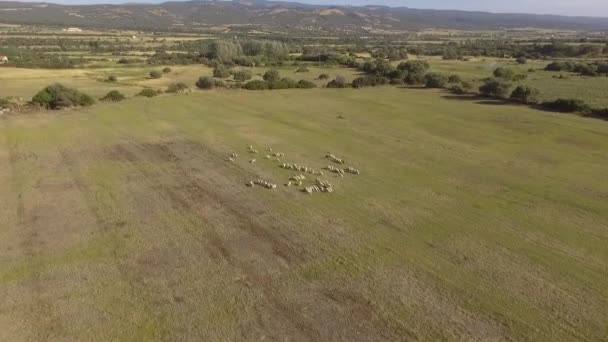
(469, 221)
(592, 90)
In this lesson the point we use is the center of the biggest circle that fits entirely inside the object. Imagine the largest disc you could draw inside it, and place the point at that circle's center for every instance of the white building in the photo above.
(72, 29)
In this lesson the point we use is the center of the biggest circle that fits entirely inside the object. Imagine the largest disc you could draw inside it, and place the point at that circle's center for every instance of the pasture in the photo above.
(469, 220)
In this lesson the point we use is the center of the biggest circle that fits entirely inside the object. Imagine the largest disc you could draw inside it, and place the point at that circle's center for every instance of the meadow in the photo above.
(469, 221)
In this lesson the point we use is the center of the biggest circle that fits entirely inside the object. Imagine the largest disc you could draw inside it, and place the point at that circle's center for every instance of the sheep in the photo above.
(296, 167)
(230, 159)
(333, 169)
(252, 161)
(266, 184)
(252, 149)
(268, 156)
(298, 178)
(250, 184)
(288, 183)
(234, 155)
(334, 158)
(352, 170)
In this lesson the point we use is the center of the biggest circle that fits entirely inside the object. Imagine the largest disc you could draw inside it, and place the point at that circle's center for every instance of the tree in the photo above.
(324, 77)
(58, 96)
(504, 73)
(495, 87)
(567, 106)
(454, 79)
(435, 80)
(414, 66)
(521, 60)
(256, 85)
(525, 94)
(155, 74)
(113, 96)
(272, 75)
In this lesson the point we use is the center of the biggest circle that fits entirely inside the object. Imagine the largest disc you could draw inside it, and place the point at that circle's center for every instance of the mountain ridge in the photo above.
(279, 14)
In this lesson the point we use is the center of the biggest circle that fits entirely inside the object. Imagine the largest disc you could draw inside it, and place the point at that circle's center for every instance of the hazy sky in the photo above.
(597, 8)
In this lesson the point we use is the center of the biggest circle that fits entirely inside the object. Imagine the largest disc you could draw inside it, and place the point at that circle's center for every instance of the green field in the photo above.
(469, 221)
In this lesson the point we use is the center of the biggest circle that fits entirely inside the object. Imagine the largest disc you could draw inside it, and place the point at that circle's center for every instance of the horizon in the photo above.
(588, 8)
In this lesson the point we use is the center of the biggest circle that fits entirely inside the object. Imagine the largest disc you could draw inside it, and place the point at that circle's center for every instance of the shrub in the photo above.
(560, 66)
(166, 70)
(280, 84)
(256, 85)
(521, 60)
(242, 75)
(114, 96)
(415, 67)
(324, 77)
(148, 92)
(567, 106)
(272, 75)
(434, 80)
(414, 78)
(112, 78)
(495, 87)
(206, 82)
(338, 82)
(369, 81)
(525, 94)
(58, 96)
(304, 84)
(289, 82)
(178, 87)
(302, 69)
(504, 73)
(221, 71)
(457, 89)
(454, 79)
(155, 74)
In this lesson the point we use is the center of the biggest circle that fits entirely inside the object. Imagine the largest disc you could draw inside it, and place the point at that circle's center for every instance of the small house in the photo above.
(73, 29)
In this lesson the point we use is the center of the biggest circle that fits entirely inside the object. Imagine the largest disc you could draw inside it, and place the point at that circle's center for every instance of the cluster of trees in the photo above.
(58, 96)
(586, 69)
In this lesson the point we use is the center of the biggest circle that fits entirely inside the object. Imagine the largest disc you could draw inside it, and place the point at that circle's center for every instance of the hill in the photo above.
(193, 14)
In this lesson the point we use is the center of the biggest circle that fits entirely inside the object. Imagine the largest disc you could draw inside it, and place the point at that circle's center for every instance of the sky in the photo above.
(596, 8)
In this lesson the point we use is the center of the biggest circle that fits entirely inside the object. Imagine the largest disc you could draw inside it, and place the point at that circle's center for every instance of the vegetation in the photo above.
(525, 94)
(148, 92)
(221, 71)
(242, 75)
(178, 88)
(155, 74)
(113, 96)
(272, 75)
(58, 96)
(495, 87)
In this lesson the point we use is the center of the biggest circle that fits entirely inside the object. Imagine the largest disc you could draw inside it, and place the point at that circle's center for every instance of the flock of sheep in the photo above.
(319, 185)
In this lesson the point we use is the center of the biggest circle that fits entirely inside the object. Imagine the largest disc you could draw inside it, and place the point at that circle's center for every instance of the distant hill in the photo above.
(190, 14)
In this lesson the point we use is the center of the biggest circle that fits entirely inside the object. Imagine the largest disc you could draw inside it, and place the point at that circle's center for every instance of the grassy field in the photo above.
(592, 90)
(469, 221)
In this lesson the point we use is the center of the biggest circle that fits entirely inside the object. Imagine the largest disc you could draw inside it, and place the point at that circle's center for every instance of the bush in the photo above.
(521, 60)
(112, 78)
(114, 96)
(369, 81)
(338, 82)
(289, 83)
(495, 87)
(256, 85)
(454, 79)
(414, 78)
(525, 94)
(148, 92)
(272, 75)
(221, 71)
(414, 67)
(58, 96)
(179, 87)
(304, 84)
(457, 89)
(302, 69)
(206, 82)
(166, 70)
(434, 80)
(567, 106)
(155, 74)
(504, 73)
(560, 66)
(242, 75)
(324, 77)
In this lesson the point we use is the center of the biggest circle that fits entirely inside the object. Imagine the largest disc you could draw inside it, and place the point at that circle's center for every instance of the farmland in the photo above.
(468, 221)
